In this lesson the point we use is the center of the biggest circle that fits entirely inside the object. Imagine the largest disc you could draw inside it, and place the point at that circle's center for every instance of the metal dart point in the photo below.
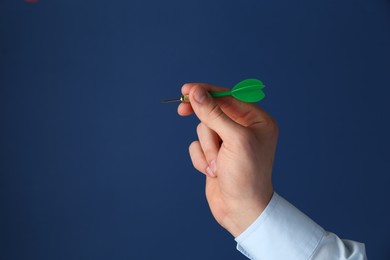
(183, 98)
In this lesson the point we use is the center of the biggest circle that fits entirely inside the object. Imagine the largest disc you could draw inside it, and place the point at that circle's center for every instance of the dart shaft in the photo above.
(186, 98)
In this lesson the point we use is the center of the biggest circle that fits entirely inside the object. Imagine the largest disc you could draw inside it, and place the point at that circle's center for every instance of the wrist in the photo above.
(244, 214)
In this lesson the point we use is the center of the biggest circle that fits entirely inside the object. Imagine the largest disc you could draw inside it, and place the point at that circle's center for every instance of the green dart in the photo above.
(249, 90)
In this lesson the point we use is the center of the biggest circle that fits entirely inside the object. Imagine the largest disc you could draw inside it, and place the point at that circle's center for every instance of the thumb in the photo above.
(209, 113)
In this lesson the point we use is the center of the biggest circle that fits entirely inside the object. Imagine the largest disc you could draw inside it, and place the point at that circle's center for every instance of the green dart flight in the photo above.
(249, 90)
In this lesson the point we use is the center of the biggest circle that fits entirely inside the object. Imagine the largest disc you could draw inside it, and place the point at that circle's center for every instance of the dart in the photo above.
(249, 90)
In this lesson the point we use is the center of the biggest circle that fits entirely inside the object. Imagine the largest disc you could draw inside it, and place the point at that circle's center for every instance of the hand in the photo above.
(235, 151)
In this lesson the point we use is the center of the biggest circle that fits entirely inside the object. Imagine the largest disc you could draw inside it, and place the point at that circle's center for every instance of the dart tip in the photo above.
(170, 100)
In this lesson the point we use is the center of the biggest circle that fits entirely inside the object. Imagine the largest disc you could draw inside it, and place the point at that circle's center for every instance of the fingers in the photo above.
(209, 113)
(210, 143)
(199, 160)
(245, 114)
(185, 109)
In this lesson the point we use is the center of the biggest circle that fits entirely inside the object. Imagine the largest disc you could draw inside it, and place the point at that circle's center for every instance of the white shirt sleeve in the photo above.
(284, 232)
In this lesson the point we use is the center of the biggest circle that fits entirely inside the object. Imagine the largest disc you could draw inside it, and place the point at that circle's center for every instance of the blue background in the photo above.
(94, 167)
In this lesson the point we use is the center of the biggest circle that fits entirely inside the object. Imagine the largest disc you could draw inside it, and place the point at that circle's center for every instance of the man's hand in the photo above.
(235, 151)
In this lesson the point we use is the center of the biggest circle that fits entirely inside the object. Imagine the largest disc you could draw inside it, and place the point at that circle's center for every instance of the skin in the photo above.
(235, 151)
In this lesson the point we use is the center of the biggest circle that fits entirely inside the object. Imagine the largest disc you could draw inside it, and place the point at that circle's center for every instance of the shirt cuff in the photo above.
(280, 232)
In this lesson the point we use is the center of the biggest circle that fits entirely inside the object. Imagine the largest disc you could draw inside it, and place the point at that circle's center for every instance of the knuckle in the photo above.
(214, 113)
(196, 161)
(198, 166)
(272, 125)
(199, 128)
(269, 125)
(191, 148)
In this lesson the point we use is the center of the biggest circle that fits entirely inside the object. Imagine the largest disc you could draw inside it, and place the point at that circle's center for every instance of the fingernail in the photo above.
(200, 95)
(210, 172)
